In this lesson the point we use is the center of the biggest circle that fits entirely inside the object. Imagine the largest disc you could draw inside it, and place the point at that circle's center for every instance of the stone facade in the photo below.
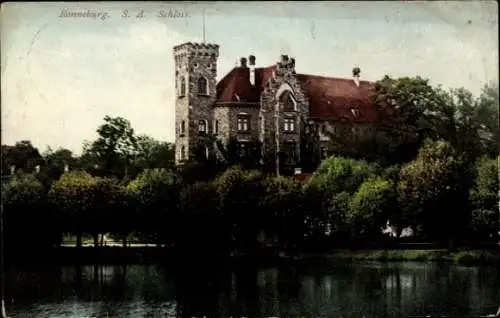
(278, 117)
(277, 135)
(196, 72)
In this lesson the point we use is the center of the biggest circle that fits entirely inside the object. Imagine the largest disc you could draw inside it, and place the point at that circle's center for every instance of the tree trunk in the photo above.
(102, 239)
(96, 239)
(79, 240)
(124, 241)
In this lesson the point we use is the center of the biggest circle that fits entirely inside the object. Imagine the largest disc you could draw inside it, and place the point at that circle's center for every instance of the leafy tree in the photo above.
(429, 191)
(238, 188)
(157, 191)
(337, 174)
(282, 210)
(28, 222)
(202, 228)
(488, 116)
(485, 198)
(370, 206)
(23, 156)
(56, 162)
(334, 176)
(152, 153)
(114, 149)
(73, 195)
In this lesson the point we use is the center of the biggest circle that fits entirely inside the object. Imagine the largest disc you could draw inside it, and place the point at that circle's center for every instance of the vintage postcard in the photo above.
(250, 159)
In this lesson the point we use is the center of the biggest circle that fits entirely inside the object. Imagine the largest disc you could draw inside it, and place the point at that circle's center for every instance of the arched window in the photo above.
(202, 126)
(288, 102)
(183, 153)
(202, 86)
(183, 127)
(182, 91)
(216, 127)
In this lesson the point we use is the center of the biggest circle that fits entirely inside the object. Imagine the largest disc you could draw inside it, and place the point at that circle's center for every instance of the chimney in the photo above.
(251, 58)
(66, 168)
(355, 74)
(284, 59)
(243, 62)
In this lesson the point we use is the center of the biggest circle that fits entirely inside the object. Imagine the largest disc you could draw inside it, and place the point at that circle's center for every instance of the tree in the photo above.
(22, 156)
(429, 192)
(57, 161)
(202, 228)
(488, 116)
(74, 198)
(484, 199)
(370, 206)
(157, 191)
(282, 210)
(114, 148)
(152, 153)
(334, 176)
(406, 109)
(28, 222)
(238, 188)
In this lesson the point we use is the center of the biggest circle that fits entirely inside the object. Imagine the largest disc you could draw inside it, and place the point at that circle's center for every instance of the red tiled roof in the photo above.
(329, 97)
(237, 82)
(334, 98)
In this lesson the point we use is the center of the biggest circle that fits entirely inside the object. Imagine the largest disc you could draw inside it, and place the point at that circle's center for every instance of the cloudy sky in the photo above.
(61, 76)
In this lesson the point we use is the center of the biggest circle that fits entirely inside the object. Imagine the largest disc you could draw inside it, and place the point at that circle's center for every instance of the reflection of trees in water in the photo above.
(200, 289)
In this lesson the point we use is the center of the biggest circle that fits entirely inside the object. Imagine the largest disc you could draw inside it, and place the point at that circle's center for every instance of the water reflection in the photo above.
(369, 290)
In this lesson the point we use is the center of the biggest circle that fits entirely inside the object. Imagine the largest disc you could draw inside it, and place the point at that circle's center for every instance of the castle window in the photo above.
(183, 127)
(216, 127)
(202, 86)
(289, 149)
(202, 127)
(182, 91)
(324, 152)
(183, 153)
(323, 129)
(243, 123)
(288, 102)
(242, 149)
(289, 124)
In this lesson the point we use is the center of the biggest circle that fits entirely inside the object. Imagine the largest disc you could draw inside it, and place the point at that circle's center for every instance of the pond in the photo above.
(298, 289)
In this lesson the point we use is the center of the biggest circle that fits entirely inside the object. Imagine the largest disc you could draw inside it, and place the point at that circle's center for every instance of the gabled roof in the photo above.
(237, 83)
(338, 98)
(329, 97)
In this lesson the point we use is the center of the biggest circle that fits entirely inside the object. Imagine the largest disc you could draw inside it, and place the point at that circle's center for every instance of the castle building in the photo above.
(272, 104)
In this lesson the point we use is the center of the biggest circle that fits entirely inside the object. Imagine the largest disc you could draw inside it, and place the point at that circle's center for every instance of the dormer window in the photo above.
(202, 86)
(182, 90)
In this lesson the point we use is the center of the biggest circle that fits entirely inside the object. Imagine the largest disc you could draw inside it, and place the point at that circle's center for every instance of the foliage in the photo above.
(22, 156)
(28, 222)
(370, 206)
(428, 188)
(337, 174)
(485, 198)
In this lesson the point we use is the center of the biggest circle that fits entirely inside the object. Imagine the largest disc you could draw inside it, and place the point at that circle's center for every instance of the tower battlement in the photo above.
(197, 49)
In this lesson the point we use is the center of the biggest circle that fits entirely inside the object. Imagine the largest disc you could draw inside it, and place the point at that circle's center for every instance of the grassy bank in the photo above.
(469, 257)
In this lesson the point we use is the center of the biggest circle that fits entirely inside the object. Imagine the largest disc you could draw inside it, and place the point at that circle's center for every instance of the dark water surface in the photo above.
(312, 289)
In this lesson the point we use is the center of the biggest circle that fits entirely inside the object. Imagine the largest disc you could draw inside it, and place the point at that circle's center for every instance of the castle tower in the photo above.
(195, 78)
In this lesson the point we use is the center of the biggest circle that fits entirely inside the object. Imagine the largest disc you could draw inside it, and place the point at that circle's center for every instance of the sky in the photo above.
(62, 75)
